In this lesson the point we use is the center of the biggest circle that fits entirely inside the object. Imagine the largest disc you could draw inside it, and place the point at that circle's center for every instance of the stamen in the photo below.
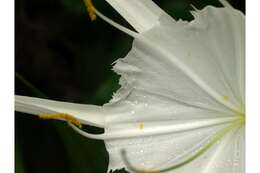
(155, 129)
(90, 9)
(93, 13)
(225, 3)
(116, 25)
(194, 8)
(64, 116)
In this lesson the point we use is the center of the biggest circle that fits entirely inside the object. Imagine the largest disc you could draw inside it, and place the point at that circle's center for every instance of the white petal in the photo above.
(157, 152)
(177, 118)
(141, 14)
(228, 156)
(87, 114)
(140, 106)
(130, 130)
(153, 153)
(179, 71)
(199, 63)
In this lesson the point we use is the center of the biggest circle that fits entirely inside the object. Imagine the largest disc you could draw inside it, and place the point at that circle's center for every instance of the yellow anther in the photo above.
(63, 116)
(141, 126)
(226, 98)
(143, 171)
(90, 9)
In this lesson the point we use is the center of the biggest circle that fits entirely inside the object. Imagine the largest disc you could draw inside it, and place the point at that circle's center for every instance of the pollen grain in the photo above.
(226, 98)
(141, 126)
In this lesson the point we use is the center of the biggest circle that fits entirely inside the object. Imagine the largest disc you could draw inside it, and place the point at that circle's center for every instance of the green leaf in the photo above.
(19, 164)
(74, 6)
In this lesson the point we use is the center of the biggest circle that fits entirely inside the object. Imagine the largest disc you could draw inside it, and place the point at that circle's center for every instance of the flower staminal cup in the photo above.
(180, 107)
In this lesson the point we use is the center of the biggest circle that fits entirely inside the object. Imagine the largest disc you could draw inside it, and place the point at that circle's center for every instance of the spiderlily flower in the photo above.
(180, 107)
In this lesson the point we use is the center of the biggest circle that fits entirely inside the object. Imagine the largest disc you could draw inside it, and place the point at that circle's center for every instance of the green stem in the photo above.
(30, 86)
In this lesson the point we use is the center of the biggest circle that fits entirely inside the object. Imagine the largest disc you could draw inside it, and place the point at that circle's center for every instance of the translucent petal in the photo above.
(227, 156)
(158, 152)
(140, 106)
(180, 71)
(169, 59)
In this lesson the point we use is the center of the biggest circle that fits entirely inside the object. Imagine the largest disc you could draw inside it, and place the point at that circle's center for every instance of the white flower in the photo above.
(180, 107)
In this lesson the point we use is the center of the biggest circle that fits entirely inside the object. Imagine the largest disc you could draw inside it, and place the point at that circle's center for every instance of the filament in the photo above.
(92, 11)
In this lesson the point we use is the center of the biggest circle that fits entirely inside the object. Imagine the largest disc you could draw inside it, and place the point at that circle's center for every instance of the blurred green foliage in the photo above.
(65, 56)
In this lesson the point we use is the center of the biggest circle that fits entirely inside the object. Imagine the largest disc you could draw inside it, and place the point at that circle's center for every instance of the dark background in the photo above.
(67, 57)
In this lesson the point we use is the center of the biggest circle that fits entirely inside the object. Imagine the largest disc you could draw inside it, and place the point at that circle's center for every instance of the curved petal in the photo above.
(87, 114)
(179, 71)
(141, 14)
(226, 156)
(146, 107)
(199, 63)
